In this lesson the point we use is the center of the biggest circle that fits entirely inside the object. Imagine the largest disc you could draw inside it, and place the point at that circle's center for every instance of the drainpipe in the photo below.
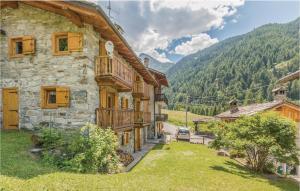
(154, 113)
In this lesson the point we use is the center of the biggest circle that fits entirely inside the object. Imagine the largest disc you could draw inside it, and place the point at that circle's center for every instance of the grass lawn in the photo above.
(178, 118)
(178, 166)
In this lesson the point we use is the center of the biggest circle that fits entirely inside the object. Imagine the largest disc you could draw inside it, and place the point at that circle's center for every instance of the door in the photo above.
(10, 100)
(110, 107)
(137, 139)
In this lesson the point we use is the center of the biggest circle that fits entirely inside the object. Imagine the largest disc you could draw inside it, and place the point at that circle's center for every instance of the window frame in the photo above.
(55, 43)
(45, 91)
(12, 47)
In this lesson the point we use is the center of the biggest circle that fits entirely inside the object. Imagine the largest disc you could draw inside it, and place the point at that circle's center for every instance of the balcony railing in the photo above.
(161, 117)
(115, 119)
(141, 89)
(142, 117)
(106, 68)
(161, 97)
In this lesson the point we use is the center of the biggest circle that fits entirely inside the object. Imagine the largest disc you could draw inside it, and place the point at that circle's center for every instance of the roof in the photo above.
(289, 77)
(250, 109)
(256, 108)
(204, 119)
(160, 77)
(80, 12)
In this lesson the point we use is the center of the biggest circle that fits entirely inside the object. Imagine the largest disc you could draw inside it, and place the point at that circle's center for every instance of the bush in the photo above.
(93, 149)
(236, 154)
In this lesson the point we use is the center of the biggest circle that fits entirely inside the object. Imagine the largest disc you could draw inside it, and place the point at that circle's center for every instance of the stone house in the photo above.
(56, 71)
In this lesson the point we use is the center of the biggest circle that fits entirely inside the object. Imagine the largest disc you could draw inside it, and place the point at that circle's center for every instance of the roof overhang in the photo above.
(90, 13)
(160, 77)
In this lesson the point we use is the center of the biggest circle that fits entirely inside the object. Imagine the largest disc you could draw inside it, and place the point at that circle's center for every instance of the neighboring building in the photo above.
(55, 71)
(280, 105)
(161, 101)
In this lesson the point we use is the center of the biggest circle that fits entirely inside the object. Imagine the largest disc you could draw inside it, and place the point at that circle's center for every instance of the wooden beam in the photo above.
(11, 4)
(74, 17)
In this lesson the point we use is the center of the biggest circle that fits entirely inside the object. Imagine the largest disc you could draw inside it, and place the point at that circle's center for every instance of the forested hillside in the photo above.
(245, 67)
(157, 65)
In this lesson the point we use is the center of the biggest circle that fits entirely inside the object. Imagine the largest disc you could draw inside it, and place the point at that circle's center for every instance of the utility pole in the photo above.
(187, 101)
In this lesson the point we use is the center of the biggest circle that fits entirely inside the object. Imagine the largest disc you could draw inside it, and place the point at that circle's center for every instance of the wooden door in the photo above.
(10, 100)
(137, 139)
(110, 106)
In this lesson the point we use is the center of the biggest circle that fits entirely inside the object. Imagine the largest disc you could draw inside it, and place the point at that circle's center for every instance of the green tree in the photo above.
(261, 137)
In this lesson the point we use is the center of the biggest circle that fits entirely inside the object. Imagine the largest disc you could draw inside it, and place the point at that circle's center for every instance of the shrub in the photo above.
(262, 137)
(93, 149)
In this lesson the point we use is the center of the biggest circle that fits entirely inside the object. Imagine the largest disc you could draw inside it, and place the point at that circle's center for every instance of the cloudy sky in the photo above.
(171, 29)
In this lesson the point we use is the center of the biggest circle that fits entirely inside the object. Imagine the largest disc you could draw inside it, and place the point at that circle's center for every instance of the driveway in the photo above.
(171, 129)
(197, 139)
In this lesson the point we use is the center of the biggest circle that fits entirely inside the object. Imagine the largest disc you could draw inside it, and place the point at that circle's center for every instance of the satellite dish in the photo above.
(109, 47)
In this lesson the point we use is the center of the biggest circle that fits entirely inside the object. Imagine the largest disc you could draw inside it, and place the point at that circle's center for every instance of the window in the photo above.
(54, 96)
(66, 42)
(20, 46)
(124, 103)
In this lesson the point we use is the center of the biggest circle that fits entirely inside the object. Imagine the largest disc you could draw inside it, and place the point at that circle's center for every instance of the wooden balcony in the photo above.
(141, 90)
(115, 119)
(161, 97)
(141, 117)
(161, 117)
(113, 72)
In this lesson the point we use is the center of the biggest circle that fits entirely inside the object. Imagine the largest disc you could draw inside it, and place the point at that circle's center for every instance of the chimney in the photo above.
(146, 62)
(279, 93)
(233, 106)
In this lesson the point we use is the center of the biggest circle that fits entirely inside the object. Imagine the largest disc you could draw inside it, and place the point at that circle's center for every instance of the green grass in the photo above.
(178, 166)
(178, 118)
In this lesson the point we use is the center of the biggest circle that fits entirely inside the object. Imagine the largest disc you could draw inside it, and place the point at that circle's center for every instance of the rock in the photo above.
(36, 150)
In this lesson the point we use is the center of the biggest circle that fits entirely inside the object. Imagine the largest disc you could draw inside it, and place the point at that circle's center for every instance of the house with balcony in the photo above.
(56, 72)
(160, 101)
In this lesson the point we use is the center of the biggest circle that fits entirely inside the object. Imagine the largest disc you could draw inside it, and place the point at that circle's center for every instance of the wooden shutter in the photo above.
(28, 44)
(43, 97)
(102, 51)
(116, 101)
(126, 103)
(123, 102)
(74, 42)
(62, 96)
(103, 95)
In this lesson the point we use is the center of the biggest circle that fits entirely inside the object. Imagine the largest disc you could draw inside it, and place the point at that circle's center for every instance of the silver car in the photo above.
(183, 134)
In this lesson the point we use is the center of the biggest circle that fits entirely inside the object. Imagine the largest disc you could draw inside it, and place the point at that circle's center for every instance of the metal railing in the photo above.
(161, 117)
(161, 97)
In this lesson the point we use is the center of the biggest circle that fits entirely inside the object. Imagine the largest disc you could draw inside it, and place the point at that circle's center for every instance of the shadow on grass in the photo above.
(231, 167)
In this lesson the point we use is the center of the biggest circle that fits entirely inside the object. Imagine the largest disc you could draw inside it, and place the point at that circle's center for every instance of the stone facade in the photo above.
(30, 72)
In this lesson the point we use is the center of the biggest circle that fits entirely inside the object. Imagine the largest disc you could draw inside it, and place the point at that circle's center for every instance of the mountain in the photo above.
(157, 65)
(244, 67)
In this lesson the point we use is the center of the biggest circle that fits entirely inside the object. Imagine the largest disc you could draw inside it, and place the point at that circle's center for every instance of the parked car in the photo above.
(183, 134)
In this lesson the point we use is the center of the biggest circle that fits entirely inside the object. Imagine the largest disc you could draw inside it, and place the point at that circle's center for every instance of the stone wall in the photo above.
(128, 147)
(30, 72)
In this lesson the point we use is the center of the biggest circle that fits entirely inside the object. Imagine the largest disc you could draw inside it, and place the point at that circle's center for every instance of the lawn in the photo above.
(178, 118)
(178, 166)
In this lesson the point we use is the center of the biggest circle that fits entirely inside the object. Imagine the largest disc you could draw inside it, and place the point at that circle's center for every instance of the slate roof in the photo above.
(250, 109)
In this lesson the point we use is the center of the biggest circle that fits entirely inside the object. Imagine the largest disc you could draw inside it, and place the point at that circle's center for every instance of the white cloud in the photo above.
(198, 42)
(154, 24)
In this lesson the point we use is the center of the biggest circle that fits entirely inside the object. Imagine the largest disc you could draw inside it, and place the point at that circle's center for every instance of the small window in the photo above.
(20, 46)
(54, 97)
(63, 43)
(66, 42)
(51, 96)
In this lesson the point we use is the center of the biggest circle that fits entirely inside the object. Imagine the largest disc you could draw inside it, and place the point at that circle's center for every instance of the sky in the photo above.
(171, 29)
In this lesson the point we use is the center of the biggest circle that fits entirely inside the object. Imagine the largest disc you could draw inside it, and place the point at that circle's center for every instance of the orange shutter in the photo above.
(102, 51)
(62, 96)
(74, 42)
(126, 103)
(103, 98)
(43, 97)
(28, 44)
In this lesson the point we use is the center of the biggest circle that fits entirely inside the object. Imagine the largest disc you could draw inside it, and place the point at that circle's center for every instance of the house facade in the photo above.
(56, 71)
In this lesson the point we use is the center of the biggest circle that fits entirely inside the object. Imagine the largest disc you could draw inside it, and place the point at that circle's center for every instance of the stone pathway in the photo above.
(138, 156)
